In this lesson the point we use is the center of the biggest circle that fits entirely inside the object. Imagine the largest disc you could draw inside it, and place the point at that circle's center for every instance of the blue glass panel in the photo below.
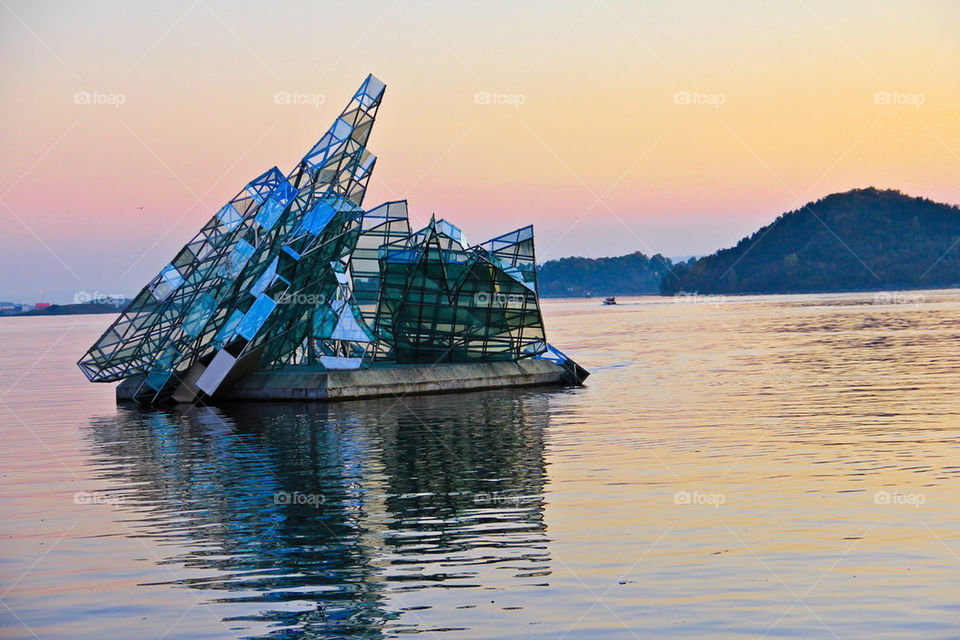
(265, 279)
(269, 214)
(254, 318)
(403, 255)
(229, 217)
(370, 91)
(226, 331)
(241, 253)
(284, 193)
(450, 230)
(553, 354)
(315, 221)
(341, 129)
(454, 257)
(199, 314)
(365, 166)
(172, 276)
(255, 192)
(163, 368)
(261, 186)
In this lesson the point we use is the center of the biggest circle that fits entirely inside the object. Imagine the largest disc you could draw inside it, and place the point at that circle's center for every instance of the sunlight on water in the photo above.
(779, 465)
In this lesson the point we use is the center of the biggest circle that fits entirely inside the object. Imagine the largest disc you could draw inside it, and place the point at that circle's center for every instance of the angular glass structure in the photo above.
(441, 301)
(294, 271)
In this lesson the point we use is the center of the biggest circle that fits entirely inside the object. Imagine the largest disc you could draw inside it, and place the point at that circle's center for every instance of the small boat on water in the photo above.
(610, 300)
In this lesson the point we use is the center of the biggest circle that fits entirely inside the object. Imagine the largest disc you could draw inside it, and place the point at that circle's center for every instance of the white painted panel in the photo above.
(218, 369)
(338, 362)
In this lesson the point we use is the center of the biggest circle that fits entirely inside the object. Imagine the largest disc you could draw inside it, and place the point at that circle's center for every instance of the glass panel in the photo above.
(199, 314)
(254, 318)
(230, 217)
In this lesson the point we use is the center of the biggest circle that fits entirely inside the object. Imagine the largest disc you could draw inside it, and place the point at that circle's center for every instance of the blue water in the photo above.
(783, 466)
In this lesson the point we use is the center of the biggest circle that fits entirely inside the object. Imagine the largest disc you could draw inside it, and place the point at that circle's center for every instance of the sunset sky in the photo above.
(595, 143)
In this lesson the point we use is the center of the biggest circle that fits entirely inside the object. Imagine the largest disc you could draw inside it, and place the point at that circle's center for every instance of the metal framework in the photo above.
(293, 271)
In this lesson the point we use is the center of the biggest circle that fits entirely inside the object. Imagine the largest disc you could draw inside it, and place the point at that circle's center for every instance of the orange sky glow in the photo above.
(676, 128)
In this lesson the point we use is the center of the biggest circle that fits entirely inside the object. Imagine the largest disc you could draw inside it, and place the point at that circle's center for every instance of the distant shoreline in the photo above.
(600, 296)
(68, 310)
(91, 312)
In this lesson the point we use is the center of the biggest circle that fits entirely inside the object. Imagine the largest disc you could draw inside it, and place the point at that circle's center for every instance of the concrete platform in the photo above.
(302, 383)
(317, 384)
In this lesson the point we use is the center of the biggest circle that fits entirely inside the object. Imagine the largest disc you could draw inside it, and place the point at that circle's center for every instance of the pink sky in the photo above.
(603, 155)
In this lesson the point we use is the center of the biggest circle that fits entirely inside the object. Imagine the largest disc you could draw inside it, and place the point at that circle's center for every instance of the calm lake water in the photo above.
(786, 466)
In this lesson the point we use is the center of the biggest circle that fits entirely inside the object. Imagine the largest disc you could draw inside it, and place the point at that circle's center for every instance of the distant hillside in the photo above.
(76, 309)
(861, 239)
(624, 275)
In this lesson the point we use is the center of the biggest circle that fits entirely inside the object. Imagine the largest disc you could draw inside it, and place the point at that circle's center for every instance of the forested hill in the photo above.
(631, 274)
(861, 239)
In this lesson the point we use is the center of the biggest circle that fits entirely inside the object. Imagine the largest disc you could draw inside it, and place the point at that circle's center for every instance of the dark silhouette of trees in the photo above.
(861, 239)
(624, 275)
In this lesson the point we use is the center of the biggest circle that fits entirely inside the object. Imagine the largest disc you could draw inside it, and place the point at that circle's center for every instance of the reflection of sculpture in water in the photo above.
(340, 517)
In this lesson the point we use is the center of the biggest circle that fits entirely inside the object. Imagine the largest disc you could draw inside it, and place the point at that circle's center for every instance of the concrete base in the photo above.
(307, 383)
(317, 384)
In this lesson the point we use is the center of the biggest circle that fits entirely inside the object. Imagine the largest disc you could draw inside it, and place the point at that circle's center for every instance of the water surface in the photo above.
(772, 465)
